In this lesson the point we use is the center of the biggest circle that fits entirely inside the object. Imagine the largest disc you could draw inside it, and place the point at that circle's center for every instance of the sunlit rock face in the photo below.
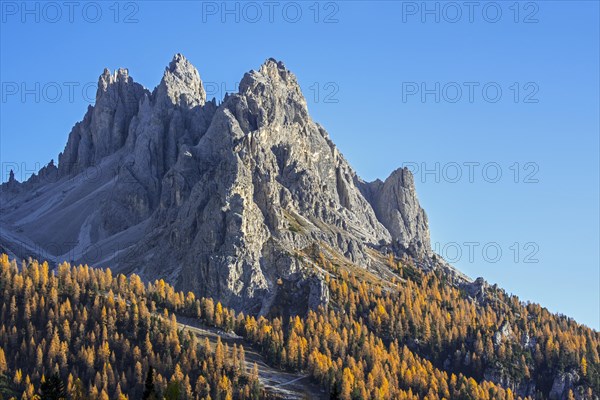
(226, 200)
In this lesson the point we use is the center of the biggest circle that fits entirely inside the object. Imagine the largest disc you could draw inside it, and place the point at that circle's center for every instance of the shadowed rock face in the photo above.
(105, 125)
(219, 200)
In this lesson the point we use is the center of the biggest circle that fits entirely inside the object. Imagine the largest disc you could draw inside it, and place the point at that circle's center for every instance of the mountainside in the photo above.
(248, 204)
(412, 336)
(92, 337)
(223, 200)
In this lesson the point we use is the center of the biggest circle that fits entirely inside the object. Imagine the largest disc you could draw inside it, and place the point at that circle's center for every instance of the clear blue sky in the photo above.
(361, 66)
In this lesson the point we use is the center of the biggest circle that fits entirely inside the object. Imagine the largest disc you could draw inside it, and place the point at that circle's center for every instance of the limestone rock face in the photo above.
(264, 182)
(477, 289)
(224, 200)
(105, 125)
(502, 377)
(181, 85)
(397, 207)
(502, 334)
(561, 385)
(174, 117)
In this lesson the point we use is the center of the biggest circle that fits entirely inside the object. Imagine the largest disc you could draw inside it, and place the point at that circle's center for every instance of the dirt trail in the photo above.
(285, 384)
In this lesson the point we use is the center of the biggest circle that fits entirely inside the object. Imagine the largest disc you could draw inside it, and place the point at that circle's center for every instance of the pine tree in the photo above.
(3, 365)
(53, 389)
(149, 389)
(138, 372)
(173, 390)
(77, 391)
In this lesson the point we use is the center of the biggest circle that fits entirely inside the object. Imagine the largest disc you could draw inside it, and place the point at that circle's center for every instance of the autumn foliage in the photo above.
(412, 337)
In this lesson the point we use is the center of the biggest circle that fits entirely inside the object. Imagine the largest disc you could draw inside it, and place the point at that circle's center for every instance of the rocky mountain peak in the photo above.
(117, 87)
(271, 72)
(272, 96)
(181, 84)
(403, 177)
(271, 76)
(396, 205)
(179, 62)
(12, 184)
(105, 126)
(223, 199)
(107, 78)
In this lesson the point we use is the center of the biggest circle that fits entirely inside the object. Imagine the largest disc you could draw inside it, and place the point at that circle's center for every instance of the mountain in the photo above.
(243, 219)
(223, 200)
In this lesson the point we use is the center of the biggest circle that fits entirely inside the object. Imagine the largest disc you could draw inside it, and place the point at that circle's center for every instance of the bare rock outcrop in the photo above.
(223, 200)
(396, 205)
(563, 383)
(105, 125)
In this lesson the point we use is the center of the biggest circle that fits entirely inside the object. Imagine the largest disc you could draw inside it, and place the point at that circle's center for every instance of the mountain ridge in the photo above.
(250, 203)
(215, 194)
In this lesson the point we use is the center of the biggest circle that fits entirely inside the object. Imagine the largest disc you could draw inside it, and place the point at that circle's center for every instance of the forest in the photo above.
(78, 332)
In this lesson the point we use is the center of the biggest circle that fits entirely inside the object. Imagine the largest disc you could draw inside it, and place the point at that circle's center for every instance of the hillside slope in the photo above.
(409, 337)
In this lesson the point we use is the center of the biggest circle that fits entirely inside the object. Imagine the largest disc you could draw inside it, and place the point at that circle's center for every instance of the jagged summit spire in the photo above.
(272, 72)
(107, 79)
(274, 87)
(105, 125)
(118, 74)
(178, 61)
(181, 84)
(273, 63)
